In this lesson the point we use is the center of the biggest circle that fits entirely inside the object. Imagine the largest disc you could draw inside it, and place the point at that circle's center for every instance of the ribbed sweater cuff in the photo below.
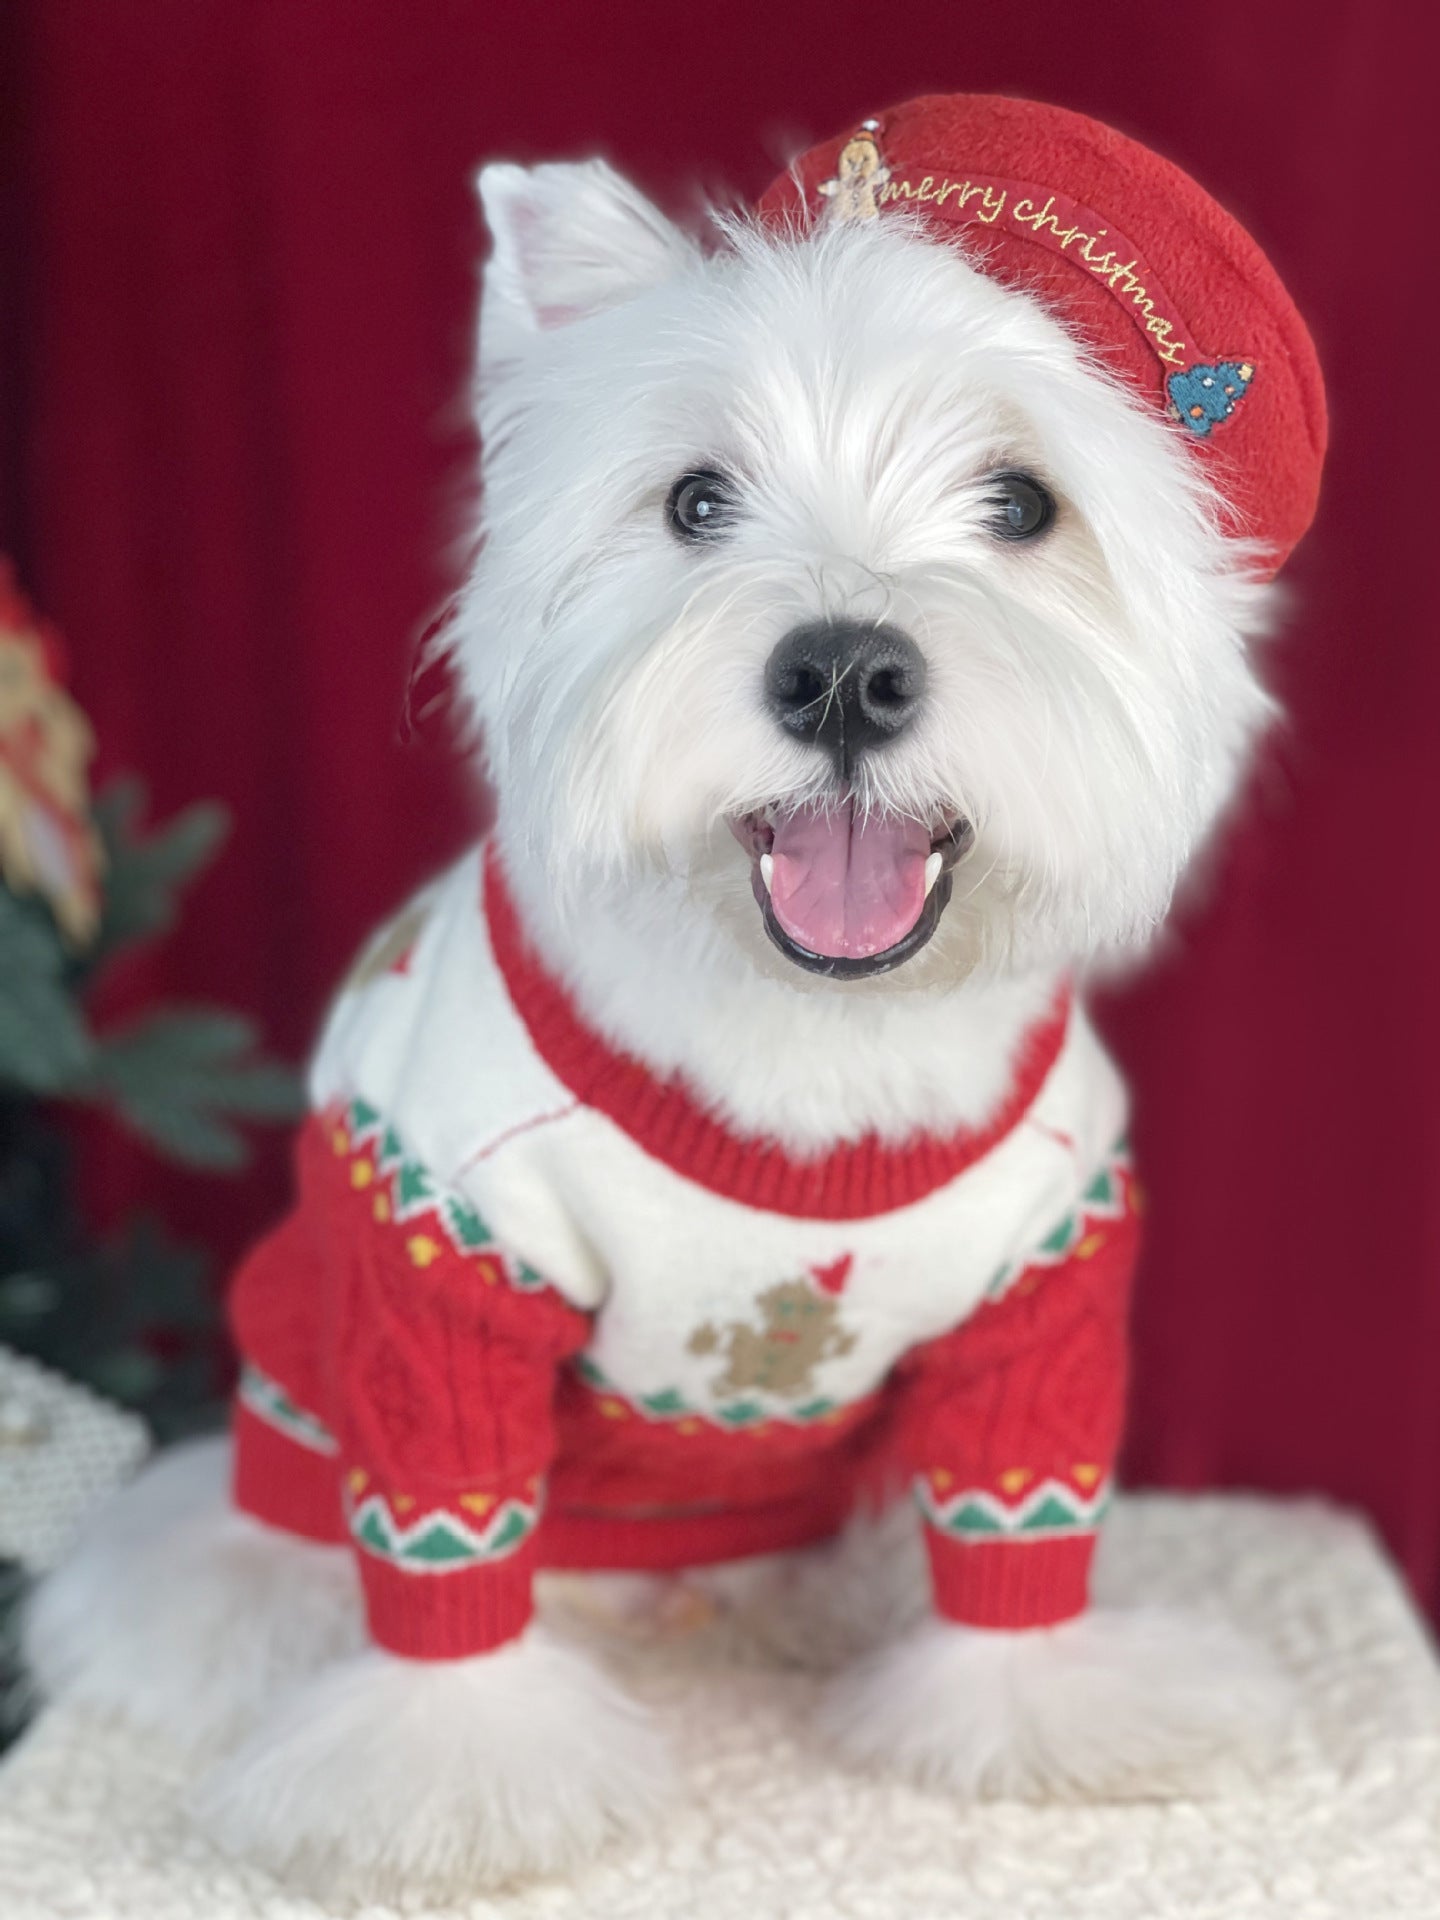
(1010, 1583)
(450, 1615)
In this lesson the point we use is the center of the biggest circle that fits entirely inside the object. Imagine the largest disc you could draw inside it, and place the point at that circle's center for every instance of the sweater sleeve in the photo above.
(445, 1351)
(1013, 1421)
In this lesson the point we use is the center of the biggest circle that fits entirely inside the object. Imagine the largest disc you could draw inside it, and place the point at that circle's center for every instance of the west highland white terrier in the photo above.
(861, 636)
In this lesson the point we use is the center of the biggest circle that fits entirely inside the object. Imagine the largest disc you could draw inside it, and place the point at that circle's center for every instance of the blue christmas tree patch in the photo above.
(1203, 397)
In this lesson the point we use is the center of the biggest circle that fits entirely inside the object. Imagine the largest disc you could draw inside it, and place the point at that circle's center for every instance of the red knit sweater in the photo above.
(414, 1387)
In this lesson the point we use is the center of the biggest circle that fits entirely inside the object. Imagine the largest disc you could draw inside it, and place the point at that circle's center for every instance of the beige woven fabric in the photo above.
(1346, 1826)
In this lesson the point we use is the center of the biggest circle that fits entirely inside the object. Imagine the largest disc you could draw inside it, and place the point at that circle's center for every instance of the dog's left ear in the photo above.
(567, 242)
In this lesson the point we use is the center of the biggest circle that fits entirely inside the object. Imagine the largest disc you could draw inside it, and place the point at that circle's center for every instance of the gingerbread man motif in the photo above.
(389, 951)
(858, 172)
(799, 1328)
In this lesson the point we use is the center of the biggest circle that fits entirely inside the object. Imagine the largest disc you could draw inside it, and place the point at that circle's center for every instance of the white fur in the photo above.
(567, 241)
(830, 1605)
(1143, 1705)
(1091, 699)
(184, 1616)
(430, 1780)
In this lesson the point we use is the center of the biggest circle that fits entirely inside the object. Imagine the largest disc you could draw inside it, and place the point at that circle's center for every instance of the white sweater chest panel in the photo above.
(680, 1273)
(439, 1049)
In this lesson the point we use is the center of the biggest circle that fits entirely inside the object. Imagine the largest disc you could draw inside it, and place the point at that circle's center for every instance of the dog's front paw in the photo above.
(1143, 1705)
(386, 1776)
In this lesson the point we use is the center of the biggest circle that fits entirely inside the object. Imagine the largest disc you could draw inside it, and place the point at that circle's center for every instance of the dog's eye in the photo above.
(700, 505)
(1019, 506)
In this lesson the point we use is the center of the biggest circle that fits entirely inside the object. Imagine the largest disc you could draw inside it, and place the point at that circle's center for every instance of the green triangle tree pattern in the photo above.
(415, 1191)
(440, 1540)
(1103, 1198)
(412, 1187)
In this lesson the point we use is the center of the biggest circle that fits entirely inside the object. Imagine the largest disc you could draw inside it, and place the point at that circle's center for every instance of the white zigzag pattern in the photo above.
(375, 1129)
(1011, 1520)
(269, 1402)
(1085, 1210)
(450, 1208)
(402, 1537)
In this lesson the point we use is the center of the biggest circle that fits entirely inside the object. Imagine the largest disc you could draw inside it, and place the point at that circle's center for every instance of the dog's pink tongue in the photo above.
(844, 886)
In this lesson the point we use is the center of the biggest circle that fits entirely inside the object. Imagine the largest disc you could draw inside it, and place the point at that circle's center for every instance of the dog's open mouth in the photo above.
(848, 893)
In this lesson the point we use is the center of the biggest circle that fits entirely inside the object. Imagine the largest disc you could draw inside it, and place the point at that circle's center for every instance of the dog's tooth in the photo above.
(932, 870)
(767, 867)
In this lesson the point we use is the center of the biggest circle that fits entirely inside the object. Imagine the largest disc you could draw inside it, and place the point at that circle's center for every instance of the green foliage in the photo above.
(45, 1046)
(173, 1075)
(144, 872)
(179, 1077)
(135, 1318)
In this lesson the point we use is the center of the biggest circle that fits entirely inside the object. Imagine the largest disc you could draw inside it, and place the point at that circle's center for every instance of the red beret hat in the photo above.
(1167, 289)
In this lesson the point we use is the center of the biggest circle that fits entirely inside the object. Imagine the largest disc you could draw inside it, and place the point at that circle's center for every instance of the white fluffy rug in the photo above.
(1345, 1827)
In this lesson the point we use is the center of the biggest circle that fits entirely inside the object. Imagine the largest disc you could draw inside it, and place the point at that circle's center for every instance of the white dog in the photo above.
(858, 653)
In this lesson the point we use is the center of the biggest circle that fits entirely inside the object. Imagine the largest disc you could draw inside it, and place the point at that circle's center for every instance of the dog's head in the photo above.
(833, 591)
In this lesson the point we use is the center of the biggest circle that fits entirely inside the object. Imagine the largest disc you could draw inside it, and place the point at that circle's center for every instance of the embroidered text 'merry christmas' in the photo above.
(1055, 221)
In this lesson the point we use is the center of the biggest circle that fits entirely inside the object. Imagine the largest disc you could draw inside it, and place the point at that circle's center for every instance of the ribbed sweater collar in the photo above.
(850, 1181)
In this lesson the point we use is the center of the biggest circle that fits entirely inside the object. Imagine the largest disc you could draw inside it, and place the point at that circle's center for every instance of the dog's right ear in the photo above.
(567, 241)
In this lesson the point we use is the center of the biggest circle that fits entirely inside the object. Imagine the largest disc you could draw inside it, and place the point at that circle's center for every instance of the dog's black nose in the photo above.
(845, 686)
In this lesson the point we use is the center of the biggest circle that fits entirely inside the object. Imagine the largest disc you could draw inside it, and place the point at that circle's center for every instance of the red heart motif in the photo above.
(832, 1278)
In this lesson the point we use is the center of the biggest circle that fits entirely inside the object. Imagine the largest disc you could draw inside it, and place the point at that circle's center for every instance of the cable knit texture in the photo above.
(439, 1371)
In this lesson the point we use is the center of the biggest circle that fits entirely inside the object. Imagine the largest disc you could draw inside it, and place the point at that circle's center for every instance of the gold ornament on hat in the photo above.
(858, 172)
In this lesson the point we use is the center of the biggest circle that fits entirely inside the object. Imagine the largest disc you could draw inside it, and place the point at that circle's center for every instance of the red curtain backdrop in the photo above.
(237, 306)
